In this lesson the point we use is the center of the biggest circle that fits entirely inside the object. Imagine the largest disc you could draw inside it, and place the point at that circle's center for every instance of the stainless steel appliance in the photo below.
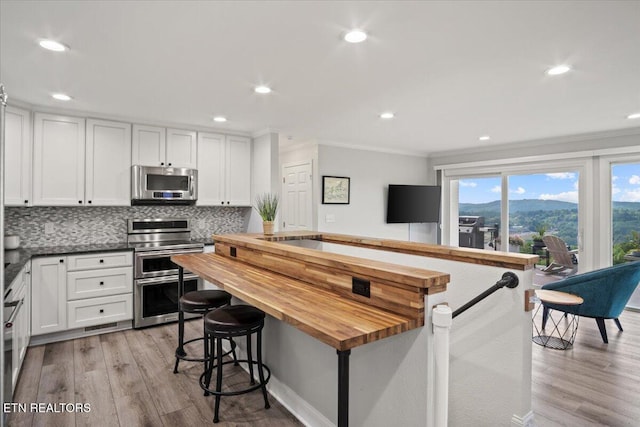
(155, 292)
(6, 394)
(469, 233)
(163, 185)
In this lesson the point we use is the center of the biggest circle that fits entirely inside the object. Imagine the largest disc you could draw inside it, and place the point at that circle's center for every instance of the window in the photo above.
(625, 211)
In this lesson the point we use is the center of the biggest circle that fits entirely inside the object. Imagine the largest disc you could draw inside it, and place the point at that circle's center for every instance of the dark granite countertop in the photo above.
(19, 257)
(205, 241)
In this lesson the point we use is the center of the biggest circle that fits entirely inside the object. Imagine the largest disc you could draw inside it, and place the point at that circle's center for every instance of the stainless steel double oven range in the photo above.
(155, 295)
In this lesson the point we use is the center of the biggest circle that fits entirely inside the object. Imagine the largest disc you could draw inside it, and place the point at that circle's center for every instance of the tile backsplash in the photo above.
(54, 226)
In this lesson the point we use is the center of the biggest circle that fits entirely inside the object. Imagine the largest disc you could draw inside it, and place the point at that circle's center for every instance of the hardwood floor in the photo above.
(127, 378)
(593, 383)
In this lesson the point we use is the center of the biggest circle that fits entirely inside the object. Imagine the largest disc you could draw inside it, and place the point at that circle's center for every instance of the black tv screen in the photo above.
(413, 203)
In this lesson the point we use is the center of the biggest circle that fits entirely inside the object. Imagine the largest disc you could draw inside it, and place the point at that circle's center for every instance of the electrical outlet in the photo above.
(361, 287)
(329, 218)
(48, 228)
(201, 223)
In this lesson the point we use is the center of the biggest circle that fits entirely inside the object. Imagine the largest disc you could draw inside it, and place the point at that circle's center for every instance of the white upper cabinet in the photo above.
(211, 169)
(224, 170)
(58, 160)
(238, 183)
(182, 148)
(157, 146)
(108, 163)
(149, 143)
(17, 161)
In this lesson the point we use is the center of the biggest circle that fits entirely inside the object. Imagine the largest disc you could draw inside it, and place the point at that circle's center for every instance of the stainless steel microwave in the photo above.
(160, 185)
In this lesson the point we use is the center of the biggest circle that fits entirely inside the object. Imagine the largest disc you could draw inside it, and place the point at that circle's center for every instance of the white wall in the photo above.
(265, 174)
(371, 172)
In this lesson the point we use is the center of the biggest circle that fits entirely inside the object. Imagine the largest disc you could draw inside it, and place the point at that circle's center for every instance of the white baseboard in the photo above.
(524, 421)
(300, 408)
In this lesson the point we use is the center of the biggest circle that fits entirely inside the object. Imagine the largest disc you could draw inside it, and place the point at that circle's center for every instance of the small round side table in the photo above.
(565, 325)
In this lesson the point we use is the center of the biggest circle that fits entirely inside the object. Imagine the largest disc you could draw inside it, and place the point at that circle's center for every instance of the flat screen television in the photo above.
(413, 203)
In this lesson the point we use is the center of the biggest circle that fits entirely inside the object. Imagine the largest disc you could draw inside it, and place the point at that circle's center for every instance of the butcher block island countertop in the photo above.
(338, 322)
(314, 290)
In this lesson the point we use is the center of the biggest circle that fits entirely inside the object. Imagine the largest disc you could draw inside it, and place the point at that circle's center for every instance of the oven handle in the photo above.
(163, 279)
(157, 254)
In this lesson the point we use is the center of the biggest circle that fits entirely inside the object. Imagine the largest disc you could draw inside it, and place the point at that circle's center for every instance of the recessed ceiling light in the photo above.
(484, 138)
(262, 89)
(355, 36)
(387, 115)
(61, 97)
(634, 116)
(52, 45)
(559, 69)
(219, 119)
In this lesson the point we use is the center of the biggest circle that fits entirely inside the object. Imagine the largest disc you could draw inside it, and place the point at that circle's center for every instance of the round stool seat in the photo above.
(196, 301)
(233, 317)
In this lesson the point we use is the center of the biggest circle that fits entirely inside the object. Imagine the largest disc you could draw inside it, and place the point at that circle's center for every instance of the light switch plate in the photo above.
(329, 218)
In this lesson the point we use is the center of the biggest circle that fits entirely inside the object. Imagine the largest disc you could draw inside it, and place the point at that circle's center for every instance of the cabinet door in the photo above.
(181, 148)
(238, 175)
(211, 169)
(149, 145)
(58, 160)
(108, 163)
(48, 295)
(17, 161)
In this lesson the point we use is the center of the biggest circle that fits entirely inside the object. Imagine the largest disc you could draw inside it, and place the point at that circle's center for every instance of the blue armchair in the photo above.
(605, 292)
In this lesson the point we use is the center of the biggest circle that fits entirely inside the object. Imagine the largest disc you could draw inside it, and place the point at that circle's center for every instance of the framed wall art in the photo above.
(335, 190)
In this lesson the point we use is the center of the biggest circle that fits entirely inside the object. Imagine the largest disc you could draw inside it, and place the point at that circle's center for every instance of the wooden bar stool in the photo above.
(198, 302)
(226, 323)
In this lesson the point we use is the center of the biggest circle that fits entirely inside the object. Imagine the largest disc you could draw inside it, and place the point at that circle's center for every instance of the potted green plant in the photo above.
(267, 207)
(537, 239)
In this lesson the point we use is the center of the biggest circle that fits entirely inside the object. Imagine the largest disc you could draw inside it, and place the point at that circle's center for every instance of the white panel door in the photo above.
(297, 197)
(148, 146)
(17, 161)
(211, 169)
(58, 160)
(48, 295)
(182, 148)
(238, 182)
(108, 163)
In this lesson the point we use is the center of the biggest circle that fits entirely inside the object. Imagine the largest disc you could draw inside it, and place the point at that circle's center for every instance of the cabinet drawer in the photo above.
(101, 260)
(96, 311)
(98, 283)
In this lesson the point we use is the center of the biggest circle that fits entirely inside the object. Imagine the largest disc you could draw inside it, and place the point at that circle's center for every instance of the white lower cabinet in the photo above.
(89, 290)
(21, 291)
(96, 311)
(97, 283)
(48, 295)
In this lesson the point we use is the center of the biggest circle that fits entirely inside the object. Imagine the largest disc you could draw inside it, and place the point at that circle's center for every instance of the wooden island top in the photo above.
(339, 322)
(515, 261)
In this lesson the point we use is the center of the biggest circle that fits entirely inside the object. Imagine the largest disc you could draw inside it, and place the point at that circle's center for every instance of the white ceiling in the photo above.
(451, 71)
